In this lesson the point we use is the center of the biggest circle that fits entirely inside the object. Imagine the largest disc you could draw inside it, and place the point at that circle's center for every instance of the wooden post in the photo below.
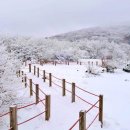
(25, 80)
(73, 92)
(63, 87)
(22, 72)
(37, 72)
(92, 63)
(77, 62)
(47, 107)
(37, 93)
(31, 92)
(19, 73)
(34, 70)
(80, 63)
(30, 68)
(101, 109)
(55, 63)
(44, 76)
(82, 121)
(13, 117)
(50, 80)
(22, 79)
(68, 62)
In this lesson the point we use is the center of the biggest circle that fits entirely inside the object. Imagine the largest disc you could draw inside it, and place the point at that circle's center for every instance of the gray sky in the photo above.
(49, 17)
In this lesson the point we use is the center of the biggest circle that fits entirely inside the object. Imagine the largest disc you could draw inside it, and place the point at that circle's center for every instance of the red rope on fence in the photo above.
(41, 101)
(30, 118)
(27, 85)
(75, 124)
(87, 91)
(92, 107)
(56, 84)
(92, 121)
(56, 77)
(42, 92)
(39, 98)
(68, 82)
(33, 92)
(26, 106)
(33, 83)
(27, 78)
(68, 90)
(85, 101)
(29, 105)
(5, 114)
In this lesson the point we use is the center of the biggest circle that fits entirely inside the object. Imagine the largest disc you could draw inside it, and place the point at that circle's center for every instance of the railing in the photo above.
(14, 109)
(49, 77)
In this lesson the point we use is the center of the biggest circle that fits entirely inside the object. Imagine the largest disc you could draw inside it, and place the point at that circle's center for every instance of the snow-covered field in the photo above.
(114, 88)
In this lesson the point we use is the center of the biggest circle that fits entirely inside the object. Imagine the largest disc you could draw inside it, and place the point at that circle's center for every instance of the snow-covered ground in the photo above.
(114, 87)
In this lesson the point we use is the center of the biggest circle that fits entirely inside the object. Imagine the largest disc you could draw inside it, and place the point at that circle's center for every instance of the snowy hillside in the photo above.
(118, 34)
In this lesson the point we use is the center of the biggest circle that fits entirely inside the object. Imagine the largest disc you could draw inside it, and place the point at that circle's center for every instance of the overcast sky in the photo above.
(50, 17)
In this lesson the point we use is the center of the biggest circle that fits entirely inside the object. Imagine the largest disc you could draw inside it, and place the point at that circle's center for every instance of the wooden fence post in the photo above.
(82, 121)
(68, 63)
(13, 117)
(80, 63)
(73, 92)
(34, 70)
(22, 79)
(31, 93)
(47, 107)
(30, 68)
(44, 76)
(22, 72)
(101, 109)
(92, 63)
(37, 72)
(63, 87)
(25, 80)
(37, 93)
(19, 73)
(50, 80)
(77, 62)
(55, 63)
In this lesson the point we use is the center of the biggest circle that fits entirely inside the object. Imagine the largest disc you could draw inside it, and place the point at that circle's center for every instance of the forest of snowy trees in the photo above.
(16, 49)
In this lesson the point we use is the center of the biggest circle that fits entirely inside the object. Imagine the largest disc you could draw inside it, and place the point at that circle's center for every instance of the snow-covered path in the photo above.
(63, 112)
(114, 87)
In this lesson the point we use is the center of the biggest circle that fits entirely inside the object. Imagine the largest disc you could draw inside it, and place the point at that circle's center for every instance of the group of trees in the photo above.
(66, 50)
(14, 50)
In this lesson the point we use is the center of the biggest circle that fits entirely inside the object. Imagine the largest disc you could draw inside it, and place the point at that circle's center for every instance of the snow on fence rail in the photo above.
(91, 62)
(82, 118)
(14, 108)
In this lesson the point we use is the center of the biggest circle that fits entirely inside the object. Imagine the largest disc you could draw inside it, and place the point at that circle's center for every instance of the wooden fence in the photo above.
(13, 110)
(82, 114)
